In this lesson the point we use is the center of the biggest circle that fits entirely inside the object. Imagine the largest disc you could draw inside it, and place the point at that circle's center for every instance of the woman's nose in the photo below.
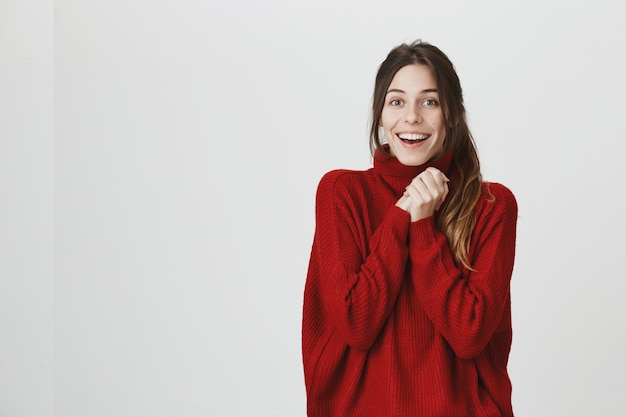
(413, 115)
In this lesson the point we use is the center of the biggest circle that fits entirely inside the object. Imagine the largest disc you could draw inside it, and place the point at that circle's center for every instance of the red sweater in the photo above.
(392, 327)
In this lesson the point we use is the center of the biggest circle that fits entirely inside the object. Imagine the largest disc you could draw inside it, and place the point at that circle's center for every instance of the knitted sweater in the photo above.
(392, 327)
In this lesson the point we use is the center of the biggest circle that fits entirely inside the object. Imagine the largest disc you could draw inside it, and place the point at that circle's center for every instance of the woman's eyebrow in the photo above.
(397, 90)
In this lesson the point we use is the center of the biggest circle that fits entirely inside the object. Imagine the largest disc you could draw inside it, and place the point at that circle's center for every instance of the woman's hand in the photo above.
(425, 194)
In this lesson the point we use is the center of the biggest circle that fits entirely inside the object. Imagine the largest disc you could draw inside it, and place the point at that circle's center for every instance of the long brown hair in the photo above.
(457, 218)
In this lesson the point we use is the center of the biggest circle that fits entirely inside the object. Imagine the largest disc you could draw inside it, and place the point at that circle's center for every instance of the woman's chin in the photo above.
(412, 160)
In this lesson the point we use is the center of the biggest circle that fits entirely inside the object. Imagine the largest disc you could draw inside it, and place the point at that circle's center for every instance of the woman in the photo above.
(407, 299)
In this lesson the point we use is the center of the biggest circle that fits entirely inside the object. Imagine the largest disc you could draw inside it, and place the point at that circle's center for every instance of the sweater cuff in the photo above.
(398, 215)
(423, 233)
(397, 221)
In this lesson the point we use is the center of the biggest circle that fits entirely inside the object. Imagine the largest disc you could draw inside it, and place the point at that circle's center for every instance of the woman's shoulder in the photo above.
(498, 189)
(343, 178)
(499, 195)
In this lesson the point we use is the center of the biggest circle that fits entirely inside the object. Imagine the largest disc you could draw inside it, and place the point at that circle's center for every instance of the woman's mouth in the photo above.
(412, 137)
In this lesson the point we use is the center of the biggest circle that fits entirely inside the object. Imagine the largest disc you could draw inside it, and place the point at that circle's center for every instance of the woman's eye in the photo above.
(395, 102)
(430, 102)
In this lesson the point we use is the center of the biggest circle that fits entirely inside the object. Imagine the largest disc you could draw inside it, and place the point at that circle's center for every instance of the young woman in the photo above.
(407, 300)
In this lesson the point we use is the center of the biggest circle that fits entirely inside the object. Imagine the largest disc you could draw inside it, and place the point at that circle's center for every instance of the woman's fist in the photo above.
(425, 194)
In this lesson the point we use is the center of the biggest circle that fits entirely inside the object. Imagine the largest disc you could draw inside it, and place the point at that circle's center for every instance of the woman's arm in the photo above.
(360, 275)
(466, 308)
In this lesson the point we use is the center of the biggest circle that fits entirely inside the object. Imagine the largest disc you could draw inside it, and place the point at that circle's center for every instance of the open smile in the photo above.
(412, 137)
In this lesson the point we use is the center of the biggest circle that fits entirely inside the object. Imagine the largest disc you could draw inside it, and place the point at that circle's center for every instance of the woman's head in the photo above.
(448, 94)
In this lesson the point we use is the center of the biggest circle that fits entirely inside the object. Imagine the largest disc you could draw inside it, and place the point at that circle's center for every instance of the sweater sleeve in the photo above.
(360, 275)
(466, 308)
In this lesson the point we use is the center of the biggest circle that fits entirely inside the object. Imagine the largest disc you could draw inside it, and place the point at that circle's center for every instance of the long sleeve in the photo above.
(467, 307)
(360, 270)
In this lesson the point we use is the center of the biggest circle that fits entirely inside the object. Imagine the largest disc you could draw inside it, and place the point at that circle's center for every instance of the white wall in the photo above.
(189, 137)
(26, 208)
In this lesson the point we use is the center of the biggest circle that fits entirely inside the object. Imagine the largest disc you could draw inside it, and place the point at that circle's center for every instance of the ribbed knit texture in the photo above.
(392, 327)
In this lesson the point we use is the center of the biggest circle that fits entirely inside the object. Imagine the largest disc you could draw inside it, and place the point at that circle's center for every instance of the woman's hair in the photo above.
(457, 218)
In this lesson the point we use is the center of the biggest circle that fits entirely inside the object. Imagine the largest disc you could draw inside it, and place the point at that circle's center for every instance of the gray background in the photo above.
(158, 165)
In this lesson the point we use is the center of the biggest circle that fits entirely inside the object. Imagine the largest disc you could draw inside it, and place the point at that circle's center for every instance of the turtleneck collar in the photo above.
(390, 166)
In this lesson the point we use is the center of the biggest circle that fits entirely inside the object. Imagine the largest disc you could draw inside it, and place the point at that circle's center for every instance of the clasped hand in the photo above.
(425, 194)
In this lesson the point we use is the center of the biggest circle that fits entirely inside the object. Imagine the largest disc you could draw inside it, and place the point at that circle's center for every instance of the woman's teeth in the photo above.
(412, 137)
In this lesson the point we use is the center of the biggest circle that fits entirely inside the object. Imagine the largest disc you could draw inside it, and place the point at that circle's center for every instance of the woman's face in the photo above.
(412, 118)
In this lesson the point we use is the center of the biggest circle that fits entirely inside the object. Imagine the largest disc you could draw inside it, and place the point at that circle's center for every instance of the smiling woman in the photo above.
(407, 298)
